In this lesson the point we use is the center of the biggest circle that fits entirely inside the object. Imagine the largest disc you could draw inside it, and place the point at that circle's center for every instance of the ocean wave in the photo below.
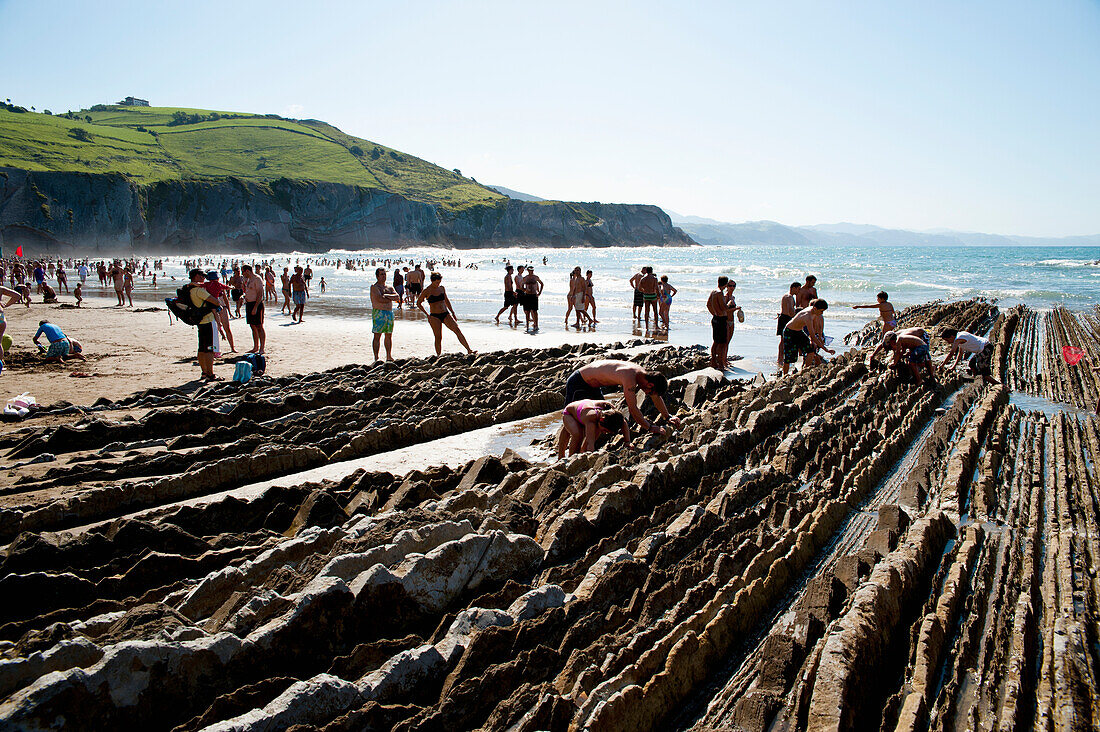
(1074, 263)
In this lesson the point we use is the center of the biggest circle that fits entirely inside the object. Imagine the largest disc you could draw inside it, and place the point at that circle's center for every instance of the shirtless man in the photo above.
(236, 288)
(414, 282)
(788, 306)
(575, 297)
(532, 288)
(979, 353)
(521, 297)
(382, 298)
(269, 284)
(915, 344)
(638, 301)
(647, 285)
(718, 305)
(118, 277)
(885, 311)
(801, 335)
(590, 382)
(298, 294)
(807, 292)
(510, 300)
(254, 293)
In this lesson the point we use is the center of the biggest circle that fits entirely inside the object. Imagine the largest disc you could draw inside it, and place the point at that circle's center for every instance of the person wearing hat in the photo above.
(59, 343)
(218, 290)
(200, 295)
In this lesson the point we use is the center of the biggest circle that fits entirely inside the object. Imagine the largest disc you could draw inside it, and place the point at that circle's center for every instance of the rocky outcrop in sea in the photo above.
(90, 213)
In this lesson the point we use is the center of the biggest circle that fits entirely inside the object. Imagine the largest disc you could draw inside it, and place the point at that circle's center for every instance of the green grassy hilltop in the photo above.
(151, 144)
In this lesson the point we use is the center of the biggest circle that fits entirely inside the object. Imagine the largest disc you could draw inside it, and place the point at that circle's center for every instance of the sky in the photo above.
(974, 116)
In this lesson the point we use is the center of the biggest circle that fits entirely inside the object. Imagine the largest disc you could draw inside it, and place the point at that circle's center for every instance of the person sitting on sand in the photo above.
(78, 293)
(590, 382)
(586, 419)
(885, 311)
(59, 343)
(800, 336)
(49, 295)
(912, 343)
(382, 298)
(980, 350)
(442, 314)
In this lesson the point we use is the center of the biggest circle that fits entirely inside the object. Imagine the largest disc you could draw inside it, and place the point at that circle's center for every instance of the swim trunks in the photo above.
(253, 313)
(981, 362)
(58, 348)
(578, 301)
(577, 388)
(922, 353)
(638, 297)
(783, 320)
(510, 298)
(795, 343)
(382, 321)
(719, 330)
(237, 294)
(649, 296)
(299, 297)
(531, 303)
(206, 337)
(414, 287)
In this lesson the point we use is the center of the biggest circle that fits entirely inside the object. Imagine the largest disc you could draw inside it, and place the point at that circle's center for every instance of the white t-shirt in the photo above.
(970, 342)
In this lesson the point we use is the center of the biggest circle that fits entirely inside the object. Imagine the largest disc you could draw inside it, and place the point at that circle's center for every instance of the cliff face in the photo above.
(59, 212)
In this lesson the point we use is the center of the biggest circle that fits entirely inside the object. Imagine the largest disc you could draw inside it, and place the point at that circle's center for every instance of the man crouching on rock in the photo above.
(912, 343)
(591, 381)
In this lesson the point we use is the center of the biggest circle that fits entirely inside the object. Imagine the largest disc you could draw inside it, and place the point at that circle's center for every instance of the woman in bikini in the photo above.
(442, 314)
(584, 420)
(665, 293)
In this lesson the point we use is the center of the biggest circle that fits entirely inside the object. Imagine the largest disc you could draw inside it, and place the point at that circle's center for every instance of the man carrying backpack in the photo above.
(199, 296)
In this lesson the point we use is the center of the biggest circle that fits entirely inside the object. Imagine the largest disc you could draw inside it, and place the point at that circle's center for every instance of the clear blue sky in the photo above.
(968, 115)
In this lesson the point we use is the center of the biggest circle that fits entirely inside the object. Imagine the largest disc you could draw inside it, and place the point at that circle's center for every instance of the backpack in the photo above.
(182, 307)
(242, 372)
(258, 362)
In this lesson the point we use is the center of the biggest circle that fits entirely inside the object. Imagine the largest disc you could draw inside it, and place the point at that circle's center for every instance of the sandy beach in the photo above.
(128, 351)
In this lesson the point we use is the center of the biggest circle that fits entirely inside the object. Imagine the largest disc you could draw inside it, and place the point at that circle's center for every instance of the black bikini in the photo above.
(438, 298)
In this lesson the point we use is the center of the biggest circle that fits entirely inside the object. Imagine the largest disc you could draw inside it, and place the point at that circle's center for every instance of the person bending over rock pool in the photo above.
(590, 382)
(912, 343)
(979, 350)
(800, 336)
(442, 314)
(382, 298)
(586, 419)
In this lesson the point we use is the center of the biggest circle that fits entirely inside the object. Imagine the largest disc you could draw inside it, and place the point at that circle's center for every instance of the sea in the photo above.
(1041, 277)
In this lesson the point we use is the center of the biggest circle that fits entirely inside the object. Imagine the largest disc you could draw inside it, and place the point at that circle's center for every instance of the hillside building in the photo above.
(134, 102)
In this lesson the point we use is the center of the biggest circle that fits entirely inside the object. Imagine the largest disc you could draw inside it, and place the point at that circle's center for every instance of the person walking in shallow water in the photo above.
(441, 312)
(510, 300)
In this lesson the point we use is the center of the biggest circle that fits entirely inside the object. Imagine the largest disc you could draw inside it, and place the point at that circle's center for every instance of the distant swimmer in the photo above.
(979, 350)
(801, 335)
(586, 419)
(442, 313)
(885, 311)
(591, 381)
(914, 344)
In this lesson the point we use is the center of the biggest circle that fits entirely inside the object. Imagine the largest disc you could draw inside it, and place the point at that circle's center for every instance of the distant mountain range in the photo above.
(711, 231)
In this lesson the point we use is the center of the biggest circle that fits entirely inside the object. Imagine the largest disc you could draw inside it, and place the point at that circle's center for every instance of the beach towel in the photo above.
(1072, 354)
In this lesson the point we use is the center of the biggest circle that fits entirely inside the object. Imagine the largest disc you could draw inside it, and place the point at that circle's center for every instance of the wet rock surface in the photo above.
(835, 550)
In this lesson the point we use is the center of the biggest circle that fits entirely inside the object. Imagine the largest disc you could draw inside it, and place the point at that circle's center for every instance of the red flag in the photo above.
(19, 251)
(1072, 354)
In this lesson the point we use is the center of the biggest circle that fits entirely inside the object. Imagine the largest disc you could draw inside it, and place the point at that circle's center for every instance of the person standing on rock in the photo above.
(732, 314)
(788, 307)
(510, 300)
(382, 298)
(586, 419)
(980, 350)
(807, 292)
(800, 336)
(254, 307)
(442, 313)
(914, 344)
(591, 381)
(718, 306)
(532, 288)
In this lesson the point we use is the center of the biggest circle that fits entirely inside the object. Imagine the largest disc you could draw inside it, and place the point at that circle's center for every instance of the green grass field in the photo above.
(141, 143)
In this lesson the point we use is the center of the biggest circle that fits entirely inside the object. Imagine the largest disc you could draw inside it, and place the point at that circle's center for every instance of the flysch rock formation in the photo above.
(111, 214)
(834, 550)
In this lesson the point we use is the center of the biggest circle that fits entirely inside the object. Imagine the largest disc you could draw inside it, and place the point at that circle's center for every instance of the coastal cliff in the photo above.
(116, 179)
